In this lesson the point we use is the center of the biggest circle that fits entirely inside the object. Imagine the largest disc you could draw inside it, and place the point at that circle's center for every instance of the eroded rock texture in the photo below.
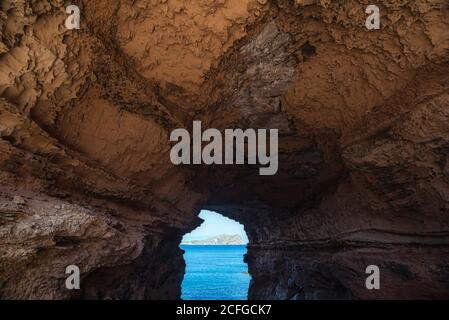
(85, 119)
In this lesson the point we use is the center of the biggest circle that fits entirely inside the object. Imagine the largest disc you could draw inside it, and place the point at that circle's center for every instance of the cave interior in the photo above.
(363, 120)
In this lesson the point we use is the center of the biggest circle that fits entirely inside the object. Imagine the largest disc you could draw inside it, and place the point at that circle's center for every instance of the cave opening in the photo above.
(214, 257)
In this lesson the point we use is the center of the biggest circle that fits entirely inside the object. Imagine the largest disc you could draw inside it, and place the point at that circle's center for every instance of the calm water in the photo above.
(215, 273)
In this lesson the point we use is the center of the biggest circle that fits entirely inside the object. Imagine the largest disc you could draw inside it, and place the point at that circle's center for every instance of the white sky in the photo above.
(215, 224)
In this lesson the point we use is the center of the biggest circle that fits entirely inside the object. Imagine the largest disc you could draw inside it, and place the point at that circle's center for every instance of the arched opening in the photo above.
(214, 256)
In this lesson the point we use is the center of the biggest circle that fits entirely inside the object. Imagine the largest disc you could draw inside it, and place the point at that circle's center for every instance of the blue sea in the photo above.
(215, 273)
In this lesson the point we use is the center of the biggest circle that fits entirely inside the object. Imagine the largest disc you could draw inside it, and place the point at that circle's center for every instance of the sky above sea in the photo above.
(215, 224)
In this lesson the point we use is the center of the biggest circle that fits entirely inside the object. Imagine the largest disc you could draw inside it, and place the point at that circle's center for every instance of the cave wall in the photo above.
(85, 119)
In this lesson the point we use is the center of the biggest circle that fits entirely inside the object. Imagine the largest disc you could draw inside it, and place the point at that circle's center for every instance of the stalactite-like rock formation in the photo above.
(86, 115)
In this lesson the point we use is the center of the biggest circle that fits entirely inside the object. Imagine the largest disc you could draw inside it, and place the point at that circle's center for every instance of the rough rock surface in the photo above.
(85, 119)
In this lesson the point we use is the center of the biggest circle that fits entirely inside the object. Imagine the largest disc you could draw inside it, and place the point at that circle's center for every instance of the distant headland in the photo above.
(222, 239)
